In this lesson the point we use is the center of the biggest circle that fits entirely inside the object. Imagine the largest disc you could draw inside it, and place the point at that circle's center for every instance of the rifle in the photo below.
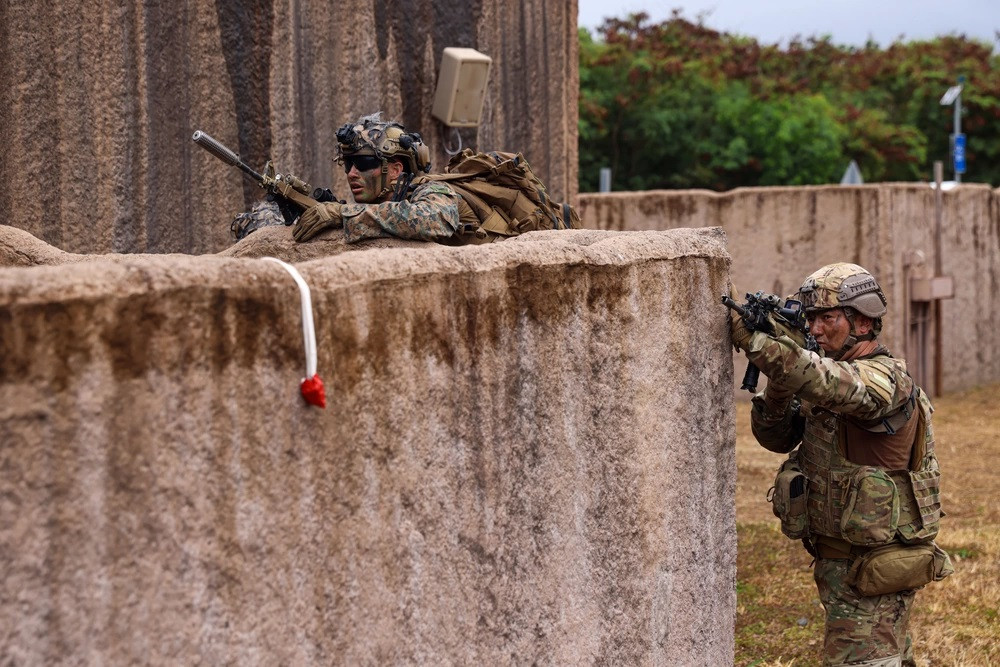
(764, 312)
(291, 194)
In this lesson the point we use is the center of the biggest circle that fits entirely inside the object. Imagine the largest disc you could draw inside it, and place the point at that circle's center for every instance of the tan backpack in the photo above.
(502, 196)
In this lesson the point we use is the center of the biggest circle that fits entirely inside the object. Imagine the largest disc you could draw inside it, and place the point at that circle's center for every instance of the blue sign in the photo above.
(959, 154)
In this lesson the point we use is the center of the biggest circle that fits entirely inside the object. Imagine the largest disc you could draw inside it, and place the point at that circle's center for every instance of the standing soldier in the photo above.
(861, 488)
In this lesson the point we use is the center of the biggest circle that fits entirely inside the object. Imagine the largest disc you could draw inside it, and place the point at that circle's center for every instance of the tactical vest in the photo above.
(868, 505)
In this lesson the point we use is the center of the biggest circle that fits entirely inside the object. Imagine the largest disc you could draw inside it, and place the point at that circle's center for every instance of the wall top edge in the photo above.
(700, 192)
(134, 274)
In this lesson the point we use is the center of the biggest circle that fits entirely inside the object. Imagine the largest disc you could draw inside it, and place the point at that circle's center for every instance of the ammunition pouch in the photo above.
(920, 517)
(788, 499)
(897, 567)
(871, 510)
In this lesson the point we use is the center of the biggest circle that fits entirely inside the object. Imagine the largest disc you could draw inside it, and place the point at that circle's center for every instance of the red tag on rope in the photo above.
(313, 392)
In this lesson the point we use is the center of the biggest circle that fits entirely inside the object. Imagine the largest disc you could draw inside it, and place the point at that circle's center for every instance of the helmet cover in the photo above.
(388, 140)
(843, 285)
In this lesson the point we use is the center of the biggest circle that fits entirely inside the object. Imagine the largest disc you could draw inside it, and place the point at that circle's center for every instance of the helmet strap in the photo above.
(382, 181)
(402, 185)
(852, 337)
(851, 341)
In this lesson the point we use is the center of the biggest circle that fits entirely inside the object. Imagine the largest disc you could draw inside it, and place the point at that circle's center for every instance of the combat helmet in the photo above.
(847, 286)
(388, 140)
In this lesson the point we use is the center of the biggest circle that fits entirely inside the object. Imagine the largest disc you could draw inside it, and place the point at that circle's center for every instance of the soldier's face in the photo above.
(366, 185)
(830, 328)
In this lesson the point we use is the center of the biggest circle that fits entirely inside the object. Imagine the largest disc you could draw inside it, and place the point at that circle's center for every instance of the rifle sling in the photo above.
(304, 202)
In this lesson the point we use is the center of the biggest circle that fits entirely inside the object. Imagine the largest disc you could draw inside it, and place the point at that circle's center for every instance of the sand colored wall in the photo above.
(776, 236)
(98, 102)
(527, 456)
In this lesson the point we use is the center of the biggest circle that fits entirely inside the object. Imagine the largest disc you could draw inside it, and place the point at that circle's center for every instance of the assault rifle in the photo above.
(291, 194)
(765, 312)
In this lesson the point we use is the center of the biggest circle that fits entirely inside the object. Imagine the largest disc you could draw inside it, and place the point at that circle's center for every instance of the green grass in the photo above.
(954, 622)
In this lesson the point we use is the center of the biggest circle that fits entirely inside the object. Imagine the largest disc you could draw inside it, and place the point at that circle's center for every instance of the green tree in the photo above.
(784, 140)
(677, 104)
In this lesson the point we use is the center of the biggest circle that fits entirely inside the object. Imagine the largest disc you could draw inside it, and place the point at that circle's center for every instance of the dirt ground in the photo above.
(955, 622)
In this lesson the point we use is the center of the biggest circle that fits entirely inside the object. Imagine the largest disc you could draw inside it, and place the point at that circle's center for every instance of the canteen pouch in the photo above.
(788, 500)
(871, 513)
(897, 567)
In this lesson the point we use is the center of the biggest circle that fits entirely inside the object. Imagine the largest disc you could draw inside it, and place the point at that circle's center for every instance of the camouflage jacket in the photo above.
(865, 390)
(856, 454)
(429, 213)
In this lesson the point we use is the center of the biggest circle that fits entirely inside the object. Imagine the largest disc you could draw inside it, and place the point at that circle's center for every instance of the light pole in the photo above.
(954, 96)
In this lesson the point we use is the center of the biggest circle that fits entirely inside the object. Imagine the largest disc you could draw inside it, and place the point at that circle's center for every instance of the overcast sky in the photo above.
(846, 21)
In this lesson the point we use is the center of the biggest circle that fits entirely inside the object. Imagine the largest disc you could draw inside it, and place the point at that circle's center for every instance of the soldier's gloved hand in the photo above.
(737, 327)
(776, 399)
(777, 393)
(321, 216)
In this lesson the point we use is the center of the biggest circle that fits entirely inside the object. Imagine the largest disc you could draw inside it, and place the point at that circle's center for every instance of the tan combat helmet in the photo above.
(388, 140)
(847, 286)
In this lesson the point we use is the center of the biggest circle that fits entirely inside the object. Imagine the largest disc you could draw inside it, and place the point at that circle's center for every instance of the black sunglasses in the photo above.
(361, 162)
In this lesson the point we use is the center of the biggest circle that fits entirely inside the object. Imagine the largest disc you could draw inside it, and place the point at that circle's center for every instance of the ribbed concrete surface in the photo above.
(527, 457)
(98, 102)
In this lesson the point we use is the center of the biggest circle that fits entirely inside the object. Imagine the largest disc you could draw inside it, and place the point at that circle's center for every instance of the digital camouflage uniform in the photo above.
(263, 213)
(825, 407)
(429, 213)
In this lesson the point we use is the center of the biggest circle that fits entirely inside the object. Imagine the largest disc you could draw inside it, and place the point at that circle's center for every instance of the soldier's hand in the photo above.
(737, 327)
(321, 216)
(776, 393)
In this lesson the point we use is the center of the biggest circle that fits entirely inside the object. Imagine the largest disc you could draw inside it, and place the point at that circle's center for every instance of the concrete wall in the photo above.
(528, 456)
(98, 102)
(777, 236)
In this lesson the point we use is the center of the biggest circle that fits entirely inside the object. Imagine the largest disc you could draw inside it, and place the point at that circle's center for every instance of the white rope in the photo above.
(308, 329)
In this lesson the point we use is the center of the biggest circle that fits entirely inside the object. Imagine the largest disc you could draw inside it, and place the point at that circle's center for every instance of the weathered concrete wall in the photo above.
(778, 235)
(98, 102)
(527, 457)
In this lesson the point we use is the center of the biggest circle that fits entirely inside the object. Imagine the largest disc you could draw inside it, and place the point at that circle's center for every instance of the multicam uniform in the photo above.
(866, 451)
(429, 213)
(833, 400)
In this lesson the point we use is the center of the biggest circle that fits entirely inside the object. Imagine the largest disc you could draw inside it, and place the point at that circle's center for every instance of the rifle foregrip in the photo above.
(216, 149)
(750, 378)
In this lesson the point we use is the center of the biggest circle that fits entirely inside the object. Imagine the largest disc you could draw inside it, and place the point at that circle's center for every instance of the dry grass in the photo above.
(779, 620)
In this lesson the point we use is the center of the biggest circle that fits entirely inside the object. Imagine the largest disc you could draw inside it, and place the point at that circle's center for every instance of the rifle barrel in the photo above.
(220, 151)
(733, 305)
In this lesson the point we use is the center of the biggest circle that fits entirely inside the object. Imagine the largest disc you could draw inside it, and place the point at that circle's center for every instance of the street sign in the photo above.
(950, 95)
(959, 154)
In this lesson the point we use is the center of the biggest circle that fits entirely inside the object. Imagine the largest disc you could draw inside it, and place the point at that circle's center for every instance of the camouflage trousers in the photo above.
(860, 630)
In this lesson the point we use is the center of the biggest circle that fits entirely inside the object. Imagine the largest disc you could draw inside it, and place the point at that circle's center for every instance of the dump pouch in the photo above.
(898, 567)
(788, 499)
